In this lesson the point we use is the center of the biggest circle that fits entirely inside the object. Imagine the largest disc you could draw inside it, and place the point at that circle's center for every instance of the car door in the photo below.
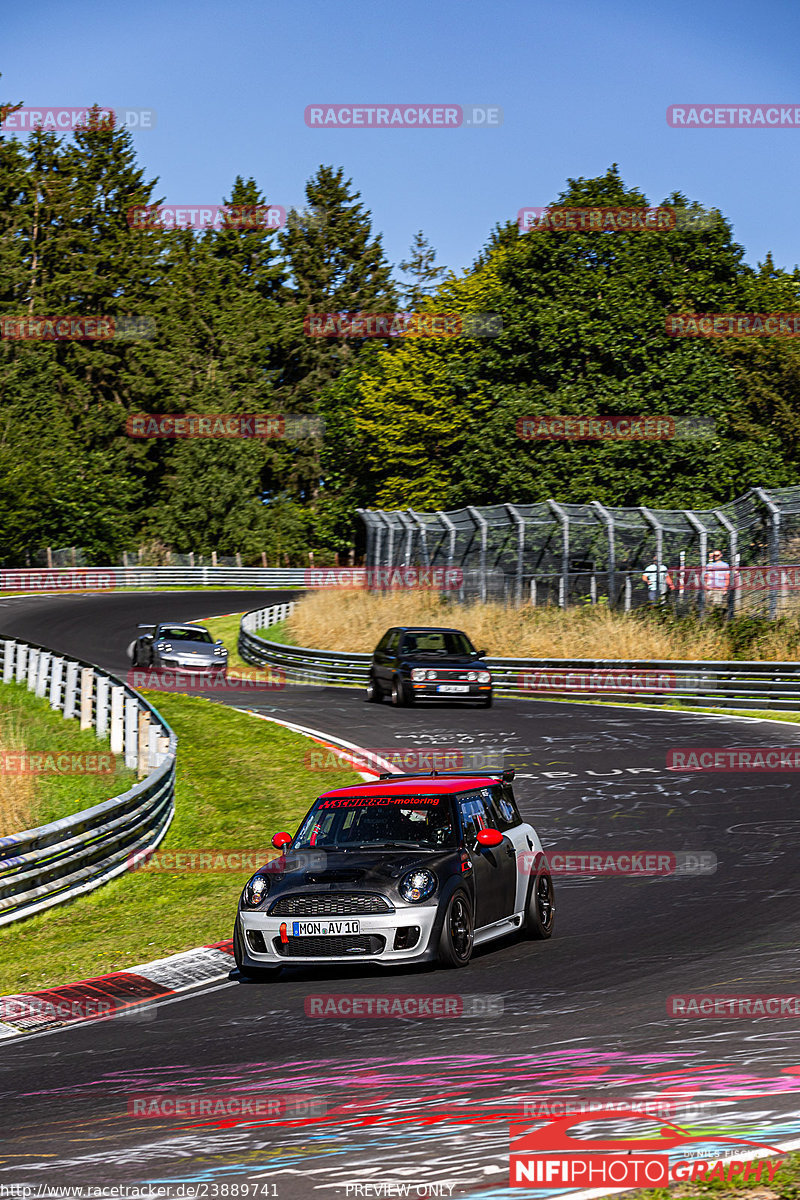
(494, 867)
(384, 663)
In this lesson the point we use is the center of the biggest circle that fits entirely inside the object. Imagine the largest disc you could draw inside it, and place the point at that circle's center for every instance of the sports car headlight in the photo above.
(417, 886)
(254, 891)
(417, 674)
(221, 651)
(164, 646)
(484, 677)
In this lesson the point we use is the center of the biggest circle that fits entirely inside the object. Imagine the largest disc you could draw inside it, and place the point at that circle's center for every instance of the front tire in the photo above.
(399, 695)
(540, 912)
(135, 656)
(244, 970)
(374, 694)
(456, 938)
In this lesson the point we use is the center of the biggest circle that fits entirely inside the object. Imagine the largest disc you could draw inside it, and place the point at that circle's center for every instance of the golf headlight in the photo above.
(484, 677)
(417, 886)
(417, 674)
(472, 676)
(254, 891)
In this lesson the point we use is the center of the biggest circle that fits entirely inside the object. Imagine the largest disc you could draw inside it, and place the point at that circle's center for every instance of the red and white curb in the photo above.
(110, 995)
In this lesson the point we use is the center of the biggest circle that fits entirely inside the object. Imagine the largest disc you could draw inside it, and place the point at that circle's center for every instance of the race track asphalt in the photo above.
(425, 1102)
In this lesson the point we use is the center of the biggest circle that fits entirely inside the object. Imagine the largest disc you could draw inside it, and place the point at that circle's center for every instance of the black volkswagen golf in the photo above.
(407, 868)
(417, 662)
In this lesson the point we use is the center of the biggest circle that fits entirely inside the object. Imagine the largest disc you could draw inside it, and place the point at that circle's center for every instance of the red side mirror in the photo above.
(490, 837)
(281, 840)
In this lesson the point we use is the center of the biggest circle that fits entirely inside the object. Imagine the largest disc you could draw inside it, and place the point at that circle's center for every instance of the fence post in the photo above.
(102, 708)
(8, 660)
(612, 553)
(774, 543)
(44, 666)
(533, 592)
(520, 523)
(563, 587)
(627, 600)
(33, 668)
(131, 731)
(117, 720)
(143, 749)
(22, 658)
(480, 523)
(56, 675)
(87, 693)
(70, 689)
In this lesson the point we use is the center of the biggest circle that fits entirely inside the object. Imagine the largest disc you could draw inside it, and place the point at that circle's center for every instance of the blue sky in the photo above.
(582, 84)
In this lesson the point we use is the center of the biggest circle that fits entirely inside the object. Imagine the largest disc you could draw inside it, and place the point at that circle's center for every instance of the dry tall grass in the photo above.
(355, 620)
(18, 803)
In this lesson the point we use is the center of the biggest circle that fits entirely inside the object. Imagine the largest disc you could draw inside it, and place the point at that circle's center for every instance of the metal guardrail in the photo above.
(54, 863)
(709, 683)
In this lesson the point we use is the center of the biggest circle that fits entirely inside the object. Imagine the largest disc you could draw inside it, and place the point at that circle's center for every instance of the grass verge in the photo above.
(239, 781)
(354, 620)
(29, 726)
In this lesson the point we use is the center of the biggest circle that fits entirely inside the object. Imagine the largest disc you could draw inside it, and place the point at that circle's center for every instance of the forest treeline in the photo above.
(420, 422)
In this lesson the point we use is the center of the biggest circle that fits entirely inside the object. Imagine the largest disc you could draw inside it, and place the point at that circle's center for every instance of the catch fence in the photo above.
(568, 554)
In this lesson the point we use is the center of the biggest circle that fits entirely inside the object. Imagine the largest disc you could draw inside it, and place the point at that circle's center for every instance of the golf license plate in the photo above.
(453, 687)
(324, 928)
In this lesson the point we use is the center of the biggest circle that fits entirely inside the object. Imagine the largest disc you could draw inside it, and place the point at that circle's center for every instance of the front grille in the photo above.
(330, 947)
(343, 905)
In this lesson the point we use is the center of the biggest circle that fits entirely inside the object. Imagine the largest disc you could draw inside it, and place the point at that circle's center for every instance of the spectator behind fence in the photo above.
(653, 573)
(716, 578)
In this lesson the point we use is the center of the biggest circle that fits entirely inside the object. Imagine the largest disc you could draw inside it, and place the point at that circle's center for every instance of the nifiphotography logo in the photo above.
(544, 1155)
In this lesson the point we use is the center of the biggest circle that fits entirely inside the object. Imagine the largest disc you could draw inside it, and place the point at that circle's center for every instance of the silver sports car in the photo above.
(189, 647)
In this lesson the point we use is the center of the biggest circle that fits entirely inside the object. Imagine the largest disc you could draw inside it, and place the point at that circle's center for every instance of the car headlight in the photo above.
(417, 674)
(164, 646)
(472, 676)
(417, 886)
(484, 677)
(432, 675)
(221, 651)
(254, 891)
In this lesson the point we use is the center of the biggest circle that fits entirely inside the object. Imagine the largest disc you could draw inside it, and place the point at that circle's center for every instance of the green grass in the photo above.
(239, 781)
(227, 628)
(44, 730)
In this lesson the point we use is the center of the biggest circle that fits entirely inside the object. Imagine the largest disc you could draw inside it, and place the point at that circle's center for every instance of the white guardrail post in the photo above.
(54, 863)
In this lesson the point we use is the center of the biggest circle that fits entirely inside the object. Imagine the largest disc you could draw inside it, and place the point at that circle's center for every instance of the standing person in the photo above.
(656, 590)
(716, 578)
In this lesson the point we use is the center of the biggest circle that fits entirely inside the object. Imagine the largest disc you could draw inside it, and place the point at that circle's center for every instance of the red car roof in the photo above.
(415, 787)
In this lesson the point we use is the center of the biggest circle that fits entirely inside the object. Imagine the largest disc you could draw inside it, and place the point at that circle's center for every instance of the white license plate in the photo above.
(324, 928)
(453, 687)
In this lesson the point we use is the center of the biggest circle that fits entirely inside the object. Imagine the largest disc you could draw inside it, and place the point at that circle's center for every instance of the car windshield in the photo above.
(174, 633)
(353, 822)
(436, 643)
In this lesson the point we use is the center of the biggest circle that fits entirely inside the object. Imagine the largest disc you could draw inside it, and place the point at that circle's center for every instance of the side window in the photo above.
(384, 642)
(502, 809)
(393, 640)
(472, 815)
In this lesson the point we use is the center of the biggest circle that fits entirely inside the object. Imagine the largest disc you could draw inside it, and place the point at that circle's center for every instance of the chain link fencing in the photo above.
(740, 556)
